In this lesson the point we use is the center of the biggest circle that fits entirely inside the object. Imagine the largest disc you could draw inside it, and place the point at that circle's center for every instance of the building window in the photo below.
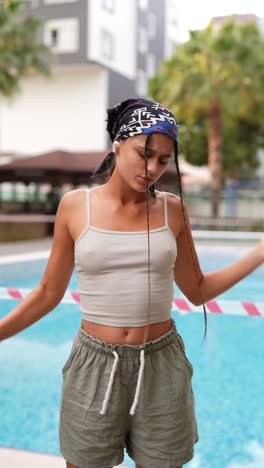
(173, 46)
(142, 83)
(174, 21)
(50, 2)
(152, 25)
(143, 4)
(142, 40)
(54, 33)
(107, 44)
(109, 5)
(34, 3)
(151, 65)
(62, 35)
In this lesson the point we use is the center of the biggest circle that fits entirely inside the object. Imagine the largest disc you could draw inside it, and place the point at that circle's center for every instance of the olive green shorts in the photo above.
(133, 397)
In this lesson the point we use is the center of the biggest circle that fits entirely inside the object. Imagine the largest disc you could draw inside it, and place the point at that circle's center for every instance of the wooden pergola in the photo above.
(63, 167)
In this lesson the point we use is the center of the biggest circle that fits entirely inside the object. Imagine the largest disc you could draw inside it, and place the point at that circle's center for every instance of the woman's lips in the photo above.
(143, 180)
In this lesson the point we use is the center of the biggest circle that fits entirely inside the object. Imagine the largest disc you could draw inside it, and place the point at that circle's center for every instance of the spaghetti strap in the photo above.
(88, 207)
(165, 208)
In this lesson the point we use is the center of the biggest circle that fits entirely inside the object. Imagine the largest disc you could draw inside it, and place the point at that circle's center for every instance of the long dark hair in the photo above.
(152, 191)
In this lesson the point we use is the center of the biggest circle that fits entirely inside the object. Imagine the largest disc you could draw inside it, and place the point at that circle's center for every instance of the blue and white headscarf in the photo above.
(137, 117)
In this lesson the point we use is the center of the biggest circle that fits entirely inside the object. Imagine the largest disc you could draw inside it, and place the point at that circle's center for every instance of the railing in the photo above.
(233, 229)
(26, 218)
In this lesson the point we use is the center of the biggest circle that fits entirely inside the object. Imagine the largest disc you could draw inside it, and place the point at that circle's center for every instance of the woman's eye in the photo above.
(148, 155)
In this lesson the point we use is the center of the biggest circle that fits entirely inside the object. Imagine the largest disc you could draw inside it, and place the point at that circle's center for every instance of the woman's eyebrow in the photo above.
(142, 148)
(149, 150)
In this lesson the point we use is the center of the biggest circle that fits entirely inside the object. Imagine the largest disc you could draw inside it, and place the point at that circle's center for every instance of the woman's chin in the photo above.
(141, 184)
(141, 189)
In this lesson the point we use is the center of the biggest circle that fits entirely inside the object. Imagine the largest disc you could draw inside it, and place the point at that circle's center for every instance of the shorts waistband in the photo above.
(129, 350)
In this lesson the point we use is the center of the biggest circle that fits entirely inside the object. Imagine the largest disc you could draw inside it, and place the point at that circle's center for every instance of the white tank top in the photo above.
(112, 271)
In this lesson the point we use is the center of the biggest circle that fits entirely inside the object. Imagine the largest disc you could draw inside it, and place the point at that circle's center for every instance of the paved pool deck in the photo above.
(12, 458)
(208, 238)
(25, 247)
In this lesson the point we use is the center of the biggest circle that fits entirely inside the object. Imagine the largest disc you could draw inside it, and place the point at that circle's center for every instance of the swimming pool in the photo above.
(227, 381)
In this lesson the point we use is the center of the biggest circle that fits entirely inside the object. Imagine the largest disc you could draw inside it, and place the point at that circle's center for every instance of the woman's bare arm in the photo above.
(217, 282)
(47, 295)
(202, 287)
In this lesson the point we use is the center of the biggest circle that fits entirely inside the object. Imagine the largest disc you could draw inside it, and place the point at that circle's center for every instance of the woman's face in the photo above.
(130, 161)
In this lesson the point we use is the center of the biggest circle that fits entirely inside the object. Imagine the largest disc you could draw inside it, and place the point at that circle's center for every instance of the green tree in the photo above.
(241, 142)
(218, 76)
(21, 52)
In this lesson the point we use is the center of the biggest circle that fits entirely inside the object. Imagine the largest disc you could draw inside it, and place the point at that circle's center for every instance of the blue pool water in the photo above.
(228, 380)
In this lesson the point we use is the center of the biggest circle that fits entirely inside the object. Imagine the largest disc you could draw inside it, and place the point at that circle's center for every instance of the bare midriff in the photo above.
(126, 335)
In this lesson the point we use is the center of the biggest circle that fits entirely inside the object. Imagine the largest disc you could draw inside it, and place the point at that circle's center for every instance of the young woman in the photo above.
(127, 382)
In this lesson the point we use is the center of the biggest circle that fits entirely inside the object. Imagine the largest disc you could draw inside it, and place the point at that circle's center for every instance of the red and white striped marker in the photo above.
(255, 309)
(181, 304)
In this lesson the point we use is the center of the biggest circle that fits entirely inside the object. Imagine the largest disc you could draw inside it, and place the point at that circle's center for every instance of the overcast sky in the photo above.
(196, 14)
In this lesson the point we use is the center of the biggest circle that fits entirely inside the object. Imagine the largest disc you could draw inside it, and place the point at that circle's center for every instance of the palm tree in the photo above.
(21, 51)
(215, 73)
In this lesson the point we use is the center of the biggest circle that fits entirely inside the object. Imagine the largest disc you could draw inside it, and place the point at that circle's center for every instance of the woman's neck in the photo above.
(118, 189)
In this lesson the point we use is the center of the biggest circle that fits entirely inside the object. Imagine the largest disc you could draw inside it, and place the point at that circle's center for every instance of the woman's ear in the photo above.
(116, 146)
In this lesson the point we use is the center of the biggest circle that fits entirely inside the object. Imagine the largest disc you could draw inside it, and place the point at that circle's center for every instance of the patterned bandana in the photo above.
(137, 117)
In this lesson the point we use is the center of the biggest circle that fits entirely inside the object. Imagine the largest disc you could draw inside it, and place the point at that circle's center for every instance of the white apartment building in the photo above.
(105, 51)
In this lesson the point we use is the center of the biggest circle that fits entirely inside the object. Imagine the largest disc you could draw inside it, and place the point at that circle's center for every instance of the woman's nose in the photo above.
(152, 167)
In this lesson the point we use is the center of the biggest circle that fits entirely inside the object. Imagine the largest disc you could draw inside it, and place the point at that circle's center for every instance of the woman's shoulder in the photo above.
(72, 199)
(74, 195)
(173, 201)
(175, 206)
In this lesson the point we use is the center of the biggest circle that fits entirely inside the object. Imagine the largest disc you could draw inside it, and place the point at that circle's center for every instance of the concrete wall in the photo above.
(65, 112)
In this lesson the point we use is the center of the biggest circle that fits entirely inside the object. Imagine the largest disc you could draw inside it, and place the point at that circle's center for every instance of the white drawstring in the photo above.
(110, 384)
(111, 379)
(140, 375)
